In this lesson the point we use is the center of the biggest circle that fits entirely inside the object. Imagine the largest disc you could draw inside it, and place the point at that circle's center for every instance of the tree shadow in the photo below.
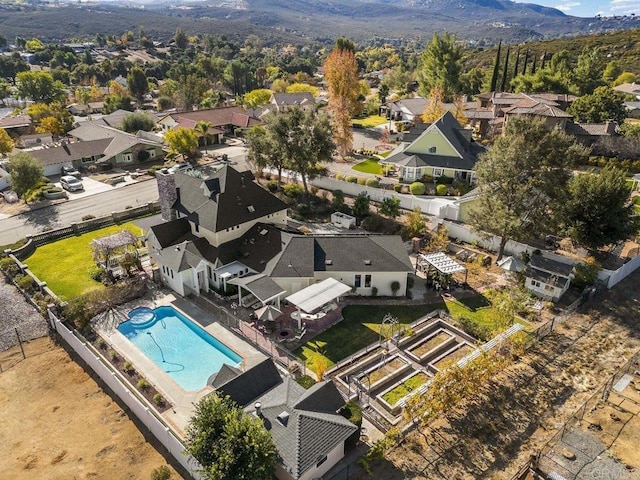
(42, 219)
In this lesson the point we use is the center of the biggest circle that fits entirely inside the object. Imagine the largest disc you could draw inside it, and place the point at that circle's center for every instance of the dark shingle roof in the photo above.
(546, 278)
(226, 199)
(224, 375)
(296, 259)
(168, 233)
(248, 386)
(341, 253)
(71, 151)
(552, 266)
(254, 249)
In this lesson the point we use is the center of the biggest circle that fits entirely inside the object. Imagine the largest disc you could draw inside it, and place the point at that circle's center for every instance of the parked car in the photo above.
(71, 184)
(180, 167)
(70, 171)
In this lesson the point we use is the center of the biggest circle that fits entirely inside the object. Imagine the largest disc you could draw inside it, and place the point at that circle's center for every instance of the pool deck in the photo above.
(183, 401)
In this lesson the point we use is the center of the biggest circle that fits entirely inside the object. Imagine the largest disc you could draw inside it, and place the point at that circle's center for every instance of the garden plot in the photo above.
(453, 356)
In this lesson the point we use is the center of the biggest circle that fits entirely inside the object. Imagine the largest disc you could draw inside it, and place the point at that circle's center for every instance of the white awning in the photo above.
(441, 262)
(318, 294)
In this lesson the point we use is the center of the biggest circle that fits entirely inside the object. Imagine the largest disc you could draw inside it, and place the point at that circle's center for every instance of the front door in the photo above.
(202, 283)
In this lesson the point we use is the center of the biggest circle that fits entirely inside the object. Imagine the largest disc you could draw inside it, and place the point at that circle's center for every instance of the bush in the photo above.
(372, 223)
(352, 412)
(306, 381)
(100, 343)
(152, 170)
(8, 266)
(481, 332)
(293, 190)
(374, 291)
(427, 179)
(397, 187)
(441, 190)
(444, 180)
(26, 283)
(417, 188)
(351, 179)
(586, 273)
(128, 367)
(113, 355)
(88, 217)
(97, 273)
(272, 185)
(340, 176)
(302, 209)
(361, 181)
(161, 473)
(143, 384)
(158, 399)
(372, 182)
(395, 286)
(461, 187)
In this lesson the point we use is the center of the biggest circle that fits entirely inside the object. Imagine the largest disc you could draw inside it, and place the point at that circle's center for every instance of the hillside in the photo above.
(483, 21)
(623, 46)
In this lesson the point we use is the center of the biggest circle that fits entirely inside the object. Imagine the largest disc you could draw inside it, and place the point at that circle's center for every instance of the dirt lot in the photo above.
(57, 423)
(495, 432)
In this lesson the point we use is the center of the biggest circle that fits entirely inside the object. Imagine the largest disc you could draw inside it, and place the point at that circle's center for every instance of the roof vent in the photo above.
(251, 209)
(283, 418)
(258, 407)
(264, 231)
(328, 262)
(367, 262)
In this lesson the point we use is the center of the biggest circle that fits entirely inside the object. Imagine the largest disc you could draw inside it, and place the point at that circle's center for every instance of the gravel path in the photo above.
(16, 312)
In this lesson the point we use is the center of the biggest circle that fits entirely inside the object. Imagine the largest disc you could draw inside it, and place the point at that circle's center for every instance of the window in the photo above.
(367, 281)
(86, 160)
(358, 281)
(535, 283)
(321, 461)
(171, 273)
(437, 172)
(127, 158)
(152, 153)
(196, 227)
(548, 288)
(432, 149)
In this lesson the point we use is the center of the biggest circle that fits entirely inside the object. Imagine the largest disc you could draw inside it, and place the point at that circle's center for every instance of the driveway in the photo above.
(91, 187)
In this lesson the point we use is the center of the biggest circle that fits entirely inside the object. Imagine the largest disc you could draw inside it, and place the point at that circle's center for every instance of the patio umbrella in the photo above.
(511, 264)
(268, 313)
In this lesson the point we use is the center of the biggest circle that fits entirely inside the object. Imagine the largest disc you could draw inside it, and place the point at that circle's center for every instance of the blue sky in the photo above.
(590, 8)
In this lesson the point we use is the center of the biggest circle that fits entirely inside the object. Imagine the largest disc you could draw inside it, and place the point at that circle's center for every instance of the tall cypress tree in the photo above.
(496, 69)
(526, 60)
(505, 72)
(515, 66)
(533, 65)
(544, 60)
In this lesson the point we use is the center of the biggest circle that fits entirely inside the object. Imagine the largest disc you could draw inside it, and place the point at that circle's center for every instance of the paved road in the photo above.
(14, 228)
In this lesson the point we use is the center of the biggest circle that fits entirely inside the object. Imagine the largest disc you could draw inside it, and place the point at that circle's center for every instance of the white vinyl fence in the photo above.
(146, 415)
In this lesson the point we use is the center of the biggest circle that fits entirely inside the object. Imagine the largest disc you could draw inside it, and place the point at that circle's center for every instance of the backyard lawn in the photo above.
(65, 264)
(370, 121)
(361, 326)
(370, 165)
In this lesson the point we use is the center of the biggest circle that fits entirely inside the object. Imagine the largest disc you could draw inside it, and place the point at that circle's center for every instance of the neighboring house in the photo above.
(115, 119)
(223, 120)
(223, 226)
(629, 89)
(16, 125)
(286, 101)
(307, 430)
(436, 149)
(35, 140)
(489, 116)
(410, 110)
(633, 109)
(589, 134)
(82, 109)
(547, 278)
(124, 149)
(77, 154)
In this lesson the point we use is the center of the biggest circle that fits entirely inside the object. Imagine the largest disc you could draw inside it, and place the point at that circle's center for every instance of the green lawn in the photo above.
(361, 326)
(370, 121)
(65, 264)
(370, 165)
(405, 388)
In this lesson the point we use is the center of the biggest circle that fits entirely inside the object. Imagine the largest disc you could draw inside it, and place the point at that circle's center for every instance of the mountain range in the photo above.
(483, 21)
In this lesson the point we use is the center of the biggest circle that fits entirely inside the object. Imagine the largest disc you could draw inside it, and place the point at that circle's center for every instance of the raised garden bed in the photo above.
(453, 357)
(430, 344)
(405, 388)
(386, 369)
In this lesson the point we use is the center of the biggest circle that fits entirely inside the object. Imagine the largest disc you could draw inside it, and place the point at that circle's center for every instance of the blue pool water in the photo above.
(178, 346)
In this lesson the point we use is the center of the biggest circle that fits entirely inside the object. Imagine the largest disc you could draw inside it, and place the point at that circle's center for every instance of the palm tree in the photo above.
(202, 128)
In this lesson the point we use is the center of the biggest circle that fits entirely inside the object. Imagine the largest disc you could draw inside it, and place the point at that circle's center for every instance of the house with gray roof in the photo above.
(285, 101)
(305, 425)
(436, 149)
(221, 228)
(547, 278)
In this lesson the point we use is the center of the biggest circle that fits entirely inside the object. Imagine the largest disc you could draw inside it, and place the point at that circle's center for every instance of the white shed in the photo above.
(343, 220)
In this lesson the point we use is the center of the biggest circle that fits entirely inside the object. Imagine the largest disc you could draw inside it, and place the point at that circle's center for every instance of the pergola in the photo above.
(441, 262)
(312, 298)
(262, 287)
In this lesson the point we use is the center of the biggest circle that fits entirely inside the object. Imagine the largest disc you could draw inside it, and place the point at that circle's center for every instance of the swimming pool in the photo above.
(182, 349)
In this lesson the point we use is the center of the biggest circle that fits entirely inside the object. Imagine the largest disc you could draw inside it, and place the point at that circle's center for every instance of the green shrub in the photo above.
(461, 187)
(372, 223)
(158, 399)
(441, 190)
(272, 185)
(54, 190)
(8, 266)
(351, 179)
(397, 187)
(306, 381)
(352, 412)
(481, 332)
(88, 217)
(152, 170)
(586, 273)
(427, 178)
(293, 190)
(100, 343)
(161, 473)
(340, 176)
(302, 209)
(128, 367)
(417, 188)
(361, 181)
(372, 182)
(97, 273)
(26, 283)
(444, 180)
(143, 384)
(374, 291)
(113, 355)
(395, 286)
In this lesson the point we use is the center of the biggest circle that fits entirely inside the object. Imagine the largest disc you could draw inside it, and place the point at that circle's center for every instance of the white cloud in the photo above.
(624, 7)
(565, 7)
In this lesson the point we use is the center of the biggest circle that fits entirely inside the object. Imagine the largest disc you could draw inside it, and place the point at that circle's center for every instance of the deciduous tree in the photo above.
(434, 109)
(522, 180)
(257, 97)
(440, 65)
(228, 443)
(40, 87)
(6, 143)
(603, 104)
(361, 205)
(341, 76)
(414, 224)
(26, 171)
(598, 212)
(137, 83)
(183, 141)
(134, 122)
